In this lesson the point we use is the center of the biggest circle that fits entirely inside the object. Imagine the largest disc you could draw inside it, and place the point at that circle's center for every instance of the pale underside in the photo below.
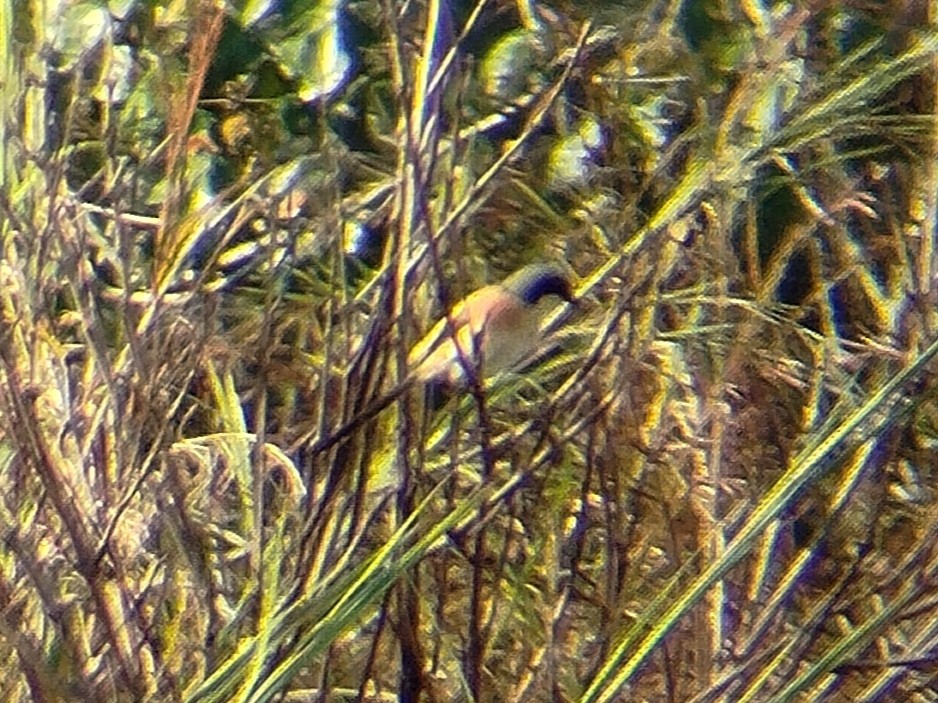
(494, 331)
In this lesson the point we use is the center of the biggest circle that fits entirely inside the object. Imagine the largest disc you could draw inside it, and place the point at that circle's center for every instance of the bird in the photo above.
(493, 328)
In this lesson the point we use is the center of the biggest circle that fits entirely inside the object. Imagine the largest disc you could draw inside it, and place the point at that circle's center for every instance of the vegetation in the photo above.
(222, 227)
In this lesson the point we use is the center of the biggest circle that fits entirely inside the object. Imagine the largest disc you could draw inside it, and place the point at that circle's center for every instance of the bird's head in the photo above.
(534, 282)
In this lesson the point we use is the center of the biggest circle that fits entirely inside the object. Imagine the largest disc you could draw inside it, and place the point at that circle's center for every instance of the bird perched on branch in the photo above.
(494, 328)
(489, 331)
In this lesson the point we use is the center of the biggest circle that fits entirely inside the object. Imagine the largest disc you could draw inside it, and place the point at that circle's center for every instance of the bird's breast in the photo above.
(494, 331)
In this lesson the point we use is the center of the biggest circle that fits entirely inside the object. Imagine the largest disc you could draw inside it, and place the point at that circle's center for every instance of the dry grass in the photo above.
(716, 484)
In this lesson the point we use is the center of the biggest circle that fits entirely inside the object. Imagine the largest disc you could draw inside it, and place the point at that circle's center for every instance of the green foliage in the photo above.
(222, 228)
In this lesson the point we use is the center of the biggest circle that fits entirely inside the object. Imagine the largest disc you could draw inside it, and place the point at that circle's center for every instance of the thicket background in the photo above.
(223, 226)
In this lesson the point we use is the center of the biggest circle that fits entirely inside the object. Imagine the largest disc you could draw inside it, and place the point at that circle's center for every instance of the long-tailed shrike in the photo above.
(493, 328)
